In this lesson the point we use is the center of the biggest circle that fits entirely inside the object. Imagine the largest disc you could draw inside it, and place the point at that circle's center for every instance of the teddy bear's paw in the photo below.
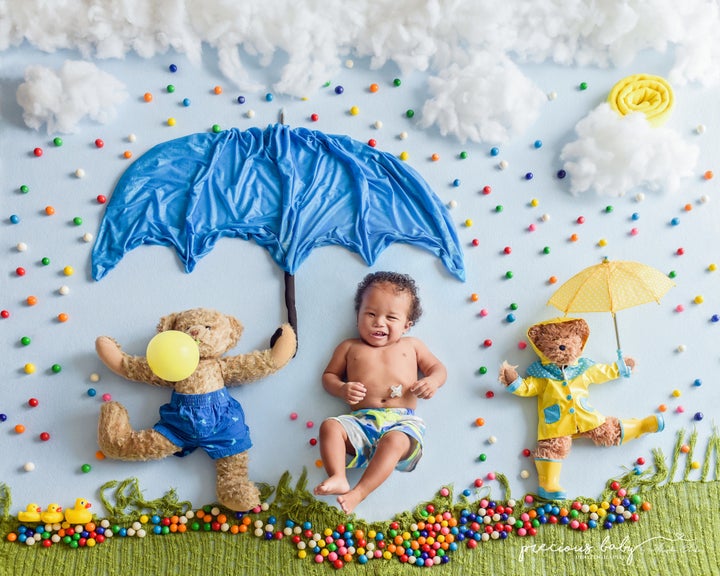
(284, 345)
(109, 351)
(237, 492)
(246, 499)
(508, 374)
(113, 428)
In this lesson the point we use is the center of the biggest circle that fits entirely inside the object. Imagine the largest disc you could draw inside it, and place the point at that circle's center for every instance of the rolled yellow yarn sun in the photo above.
(651, 95)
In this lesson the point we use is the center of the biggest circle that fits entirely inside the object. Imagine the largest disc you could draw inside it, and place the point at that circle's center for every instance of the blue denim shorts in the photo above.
(214, 422)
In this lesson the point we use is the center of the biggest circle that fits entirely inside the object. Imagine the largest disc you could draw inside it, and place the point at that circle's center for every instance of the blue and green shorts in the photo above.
(366, 427)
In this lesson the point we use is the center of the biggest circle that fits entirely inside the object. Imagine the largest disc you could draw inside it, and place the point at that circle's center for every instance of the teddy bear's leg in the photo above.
(234, 488)
(549, 455)
(634, 427)
(117, 439)
(609, 433)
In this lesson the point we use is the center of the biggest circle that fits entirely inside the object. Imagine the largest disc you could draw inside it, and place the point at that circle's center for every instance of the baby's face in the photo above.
(383, 315)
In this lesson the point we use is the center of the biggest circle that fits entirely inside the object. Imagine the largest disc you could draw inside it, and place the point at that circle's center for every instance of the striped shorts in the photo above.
(366, 427)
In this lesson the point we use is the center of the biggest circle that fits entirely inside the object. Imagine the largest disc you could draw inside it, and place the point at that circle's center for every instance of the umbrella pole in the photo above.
(624, 370)
(290, 300)
(617, 334)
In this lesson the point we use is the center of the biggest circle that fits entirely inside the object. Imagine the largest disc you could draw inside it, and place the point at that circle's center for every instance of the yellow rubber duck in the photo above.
(52, 515)
(31, 514)
(79, 514)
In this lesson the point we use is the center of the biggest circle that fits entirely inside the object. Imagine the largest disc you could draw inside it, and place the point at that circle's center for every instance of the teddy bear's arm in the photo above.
(528, 386)
(131, 367)
(247, 367)
(601, 373)
(255, 365)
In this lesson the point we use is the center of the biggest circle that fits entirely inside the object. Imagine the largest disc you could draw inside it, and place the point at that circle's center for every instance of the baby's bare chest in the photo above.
(397, 363)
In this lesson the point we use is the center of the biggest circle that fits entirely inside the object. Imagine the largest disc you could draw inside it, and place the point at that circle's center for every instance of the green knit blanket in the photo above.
(676, 531)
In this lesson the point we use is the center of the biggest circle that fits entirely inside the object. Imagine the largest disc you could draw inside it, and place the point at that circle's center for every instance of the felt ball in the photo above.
(172, 355)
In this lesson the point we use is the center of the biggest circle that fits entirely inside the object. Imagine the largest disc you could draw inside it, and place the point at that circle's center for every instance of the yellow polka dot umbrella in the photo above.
(611, 286)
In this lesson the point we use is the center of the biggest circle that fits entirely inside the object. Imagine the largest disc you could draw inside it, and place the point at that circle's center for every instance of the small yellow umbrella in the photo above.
(610, 286)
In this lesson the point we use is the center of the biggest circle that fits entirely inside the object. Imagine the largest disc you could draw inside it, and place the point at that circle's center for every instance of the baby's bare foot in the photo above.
(349, 500)
(332, 485)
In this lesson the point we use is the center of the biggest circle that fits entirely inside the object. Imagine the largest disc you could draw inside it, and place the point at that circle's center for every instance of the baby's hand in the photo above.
(354, 392)
(424, 388)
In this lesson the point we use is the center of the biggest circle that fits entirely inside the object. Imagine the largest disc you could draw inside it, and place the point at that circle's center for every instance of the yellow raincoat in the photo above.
(562, 391)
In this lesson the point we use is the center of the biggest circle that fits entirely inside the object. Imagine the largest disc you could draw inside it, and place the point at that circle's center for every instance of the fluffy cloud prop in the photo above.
(614, 154)
(62, 99)
(434, 35)
(488, 100)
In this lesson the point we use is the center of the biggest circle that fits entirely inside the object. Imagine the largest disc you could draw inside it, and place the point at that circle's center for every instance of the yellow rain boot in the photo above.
(549, 479)
(636, 427)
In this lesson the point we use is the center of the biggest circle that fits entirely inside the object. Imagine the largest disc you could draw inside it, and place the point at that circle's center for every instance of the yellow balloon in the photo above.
(172, 355)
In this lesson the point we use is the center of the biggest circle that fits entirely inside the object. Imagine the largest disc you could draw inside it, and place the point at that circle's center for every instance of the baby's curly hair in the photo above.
(400, 282)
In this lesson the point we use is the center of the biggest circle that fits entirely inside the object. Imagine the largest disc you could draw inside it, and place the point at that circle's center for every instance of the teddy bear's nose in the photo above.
(562, 347)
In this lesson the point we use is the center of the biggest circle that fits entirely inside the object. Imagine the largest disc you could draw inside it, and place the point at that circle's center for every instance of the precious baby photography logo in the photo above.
(624, 549)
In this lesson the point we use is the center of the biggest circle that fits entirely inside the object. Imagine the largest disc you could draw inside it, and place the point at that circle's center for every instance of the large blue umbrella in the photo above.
(290, 190)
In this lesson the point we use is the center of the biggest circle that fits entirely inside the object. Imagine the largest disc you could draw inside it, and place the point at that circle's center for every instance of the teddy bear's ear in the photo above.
(167, 322)
(236, 327)
(534, 331)
(582, 329)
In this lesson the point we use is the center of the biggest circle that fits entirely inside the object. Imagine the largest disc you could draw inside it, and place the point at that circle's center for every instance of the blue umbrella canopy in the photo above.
(291, 190)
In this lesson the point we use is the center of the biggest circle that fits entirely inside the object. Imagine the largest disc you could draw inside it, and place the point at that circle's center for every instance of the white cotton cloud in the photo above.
(615, 154)
(488, 100)
(61, 99)
(445, 38)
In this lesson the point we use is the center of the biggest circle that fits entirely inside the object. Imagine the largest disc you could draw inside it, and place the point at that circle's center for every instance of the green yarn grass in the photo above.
(679, 535)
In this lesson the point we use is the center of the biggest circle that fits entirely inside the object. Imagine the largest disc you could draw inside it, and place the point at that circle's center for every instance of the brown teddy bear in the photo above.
(201, 412)
(560, 380)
